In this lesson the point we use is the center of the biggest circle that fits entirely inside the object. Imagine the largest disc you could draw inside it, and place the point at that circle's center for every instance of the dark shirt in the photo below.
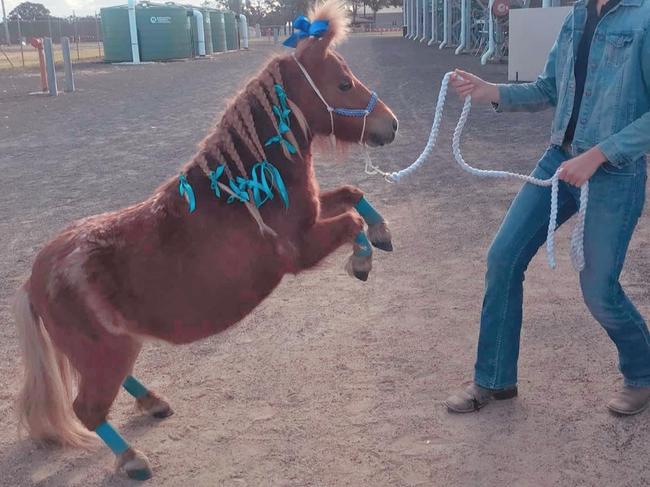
(582, 60)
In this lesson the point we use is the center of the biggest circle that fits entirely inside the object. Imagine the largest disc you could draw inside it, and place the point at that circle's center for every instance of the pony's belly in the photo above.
(184, 317)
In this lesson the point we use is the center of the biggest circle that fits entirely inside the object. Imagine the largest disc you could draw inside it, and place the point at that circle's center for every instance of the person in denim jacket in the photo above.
(597, 77)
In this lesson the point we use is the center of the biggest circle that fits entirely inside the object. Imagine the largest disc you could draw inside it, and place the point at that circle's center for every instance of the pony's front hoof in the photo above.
(385, 246)
(380, 236)
(362, 276)
(359, 266)
(135, 464)
(155, 406)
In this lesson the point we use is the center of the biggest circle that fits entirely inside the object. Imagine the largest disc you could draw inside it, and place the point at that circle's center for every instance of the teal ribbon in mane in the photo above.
(214, 180)
(185, 189)
(284, 106)
(281, 113)
(264, 177)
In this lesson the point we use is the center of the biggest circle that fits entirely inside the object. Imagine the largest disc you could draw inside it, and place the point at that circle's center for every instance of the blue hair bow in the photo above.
(305, 28)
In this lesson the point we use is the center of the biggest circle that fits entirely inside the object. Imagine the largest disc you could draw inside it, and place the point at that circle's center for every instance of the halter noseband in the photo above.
(345, 112)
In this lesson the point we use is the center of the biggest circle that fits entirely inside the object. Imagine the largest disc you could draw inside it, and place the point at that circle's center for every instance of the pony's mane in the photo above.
(238, 128)
(336, 12)
(238, 131)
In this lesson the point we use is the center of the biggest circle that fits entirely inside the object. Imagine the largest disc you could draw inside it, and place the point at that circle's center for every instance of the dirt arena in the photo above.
(330, 382)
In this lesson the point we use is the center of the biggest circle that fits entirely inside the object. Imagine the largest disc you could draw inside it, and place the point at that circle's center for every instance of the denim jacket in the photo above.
(615, 110)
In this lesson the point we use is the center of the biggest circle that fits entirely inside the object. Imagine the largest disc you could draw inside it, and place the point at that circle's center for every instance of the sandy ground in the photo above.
(330, 382)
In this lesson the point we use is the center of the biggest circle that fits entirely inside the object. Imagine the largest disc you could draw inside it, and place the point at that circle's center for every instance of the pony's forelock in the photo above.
(337, 14)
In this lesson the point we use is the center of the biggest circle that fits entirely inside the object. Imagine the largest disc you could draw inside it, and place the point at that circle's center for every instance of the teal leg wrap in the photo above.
(368, 212)
(134, 387)
(364, 250)
(112, 438)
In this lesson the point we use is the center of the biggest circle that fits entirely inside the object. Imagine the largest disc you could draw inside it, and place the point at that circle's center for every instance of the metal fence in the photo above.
(85, 29)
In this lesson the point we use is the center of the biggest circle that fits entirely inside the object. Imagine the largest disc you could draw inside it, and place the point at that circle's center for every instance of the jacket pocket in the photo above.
(618, 47)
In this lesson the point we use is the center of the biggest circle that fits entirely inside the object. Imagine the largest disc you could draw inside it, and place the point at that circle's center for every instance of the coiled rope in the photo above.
(577, 236)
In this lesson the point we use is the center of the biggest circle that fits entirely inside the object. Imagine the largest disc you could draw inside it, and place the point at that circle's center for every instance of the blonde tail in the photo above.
(44, 404)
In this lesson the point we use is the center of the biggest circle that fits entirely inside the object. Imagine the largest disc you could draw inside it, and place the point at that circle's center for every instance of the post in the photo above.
(464, 27)
(417, 20)
(49, 64)
(445, 24)
(68, 85)
(5, 22)
(276, 35)
(37, 43)
(243, 31)
(135, 51)
(491, 44)
(434, 23)
(200, 32)
(22, 44)
(76, 34)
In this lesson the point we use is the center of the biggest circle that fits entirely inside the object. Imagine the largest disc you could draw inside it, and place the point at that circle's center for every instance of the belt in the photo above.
(566, 147)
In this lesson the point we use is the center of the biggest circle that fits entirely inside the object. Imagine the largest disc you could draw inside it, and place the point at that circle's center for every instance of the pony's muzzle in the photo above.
(381, 131)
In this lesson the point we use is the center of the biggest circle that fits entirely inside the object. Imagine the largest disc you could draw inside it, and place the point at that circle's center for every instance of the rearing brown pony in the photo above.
(181, 267)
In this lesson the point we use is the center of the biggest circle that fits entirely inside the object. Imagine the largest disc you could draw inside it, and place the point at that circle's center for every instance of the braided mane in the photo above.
(237, 137)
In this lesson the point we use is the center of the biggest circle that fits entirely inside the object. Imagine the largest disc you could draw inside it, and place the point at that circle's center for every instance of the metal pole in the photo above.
(99, 45)
(5, 22)
(22, 44)
(49, 63)
(434, 23)
(133, 32)
(68, 84)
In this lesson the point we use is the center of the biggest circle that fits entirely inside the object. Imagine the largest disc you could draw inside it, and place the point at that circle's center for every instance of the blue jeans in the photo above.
(616, 198)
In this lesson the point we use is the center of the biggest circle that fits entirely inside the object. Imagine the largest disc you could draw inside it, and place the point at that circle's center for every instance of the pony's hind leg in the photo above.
(103, 367)
(148, 401)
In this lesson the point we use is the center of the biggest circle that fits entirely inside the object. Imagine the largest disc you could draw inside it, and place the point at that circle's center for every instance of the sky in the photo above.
(64, 8)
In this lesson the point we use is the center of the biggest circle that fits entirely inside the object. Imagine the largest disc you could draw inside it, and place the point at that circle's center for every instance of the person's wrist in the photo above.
(596, 157)
(493, 90)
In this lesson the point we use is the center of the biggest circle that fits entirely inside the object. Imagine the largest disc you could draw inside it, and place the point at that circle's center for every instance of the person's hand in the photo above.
(578, 171)
(468, 84)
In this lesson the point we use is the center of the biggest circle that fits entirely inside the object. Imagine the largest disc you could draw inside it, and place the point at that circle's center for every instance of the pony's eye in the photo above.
(345, 85)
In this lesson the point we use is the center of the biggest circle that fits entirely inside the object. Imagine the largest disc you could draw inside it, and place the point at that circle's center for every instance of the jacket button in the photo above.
(587, 93)
(583, 121)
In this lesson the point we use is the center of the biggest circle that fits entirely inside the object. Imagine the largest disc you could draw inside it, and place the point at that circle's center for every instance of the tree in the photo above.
(355, 4)
(375, 6)
(29, 11)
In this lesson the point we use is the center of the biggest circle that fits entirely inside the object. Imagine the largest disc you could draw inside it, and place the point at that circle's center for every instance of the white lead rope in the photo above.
(577, 237)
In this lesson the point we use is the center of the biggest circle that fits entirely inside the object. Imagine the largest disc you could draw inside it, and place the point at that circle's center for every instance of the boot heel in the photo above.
(505, 394)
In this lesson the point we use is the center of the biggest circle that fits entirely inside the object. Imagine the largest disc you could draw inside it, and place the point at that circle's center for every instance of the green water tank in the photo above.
(232, 40)
(116, 34)
(163, 31)
(218, 31)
